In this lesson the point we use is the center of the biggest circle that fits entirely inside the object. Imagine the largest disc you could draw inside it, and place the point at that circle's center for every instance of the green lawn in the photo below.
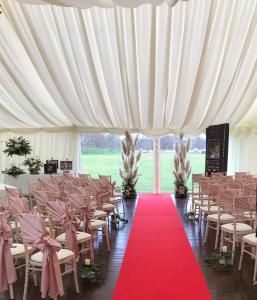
(107, 161)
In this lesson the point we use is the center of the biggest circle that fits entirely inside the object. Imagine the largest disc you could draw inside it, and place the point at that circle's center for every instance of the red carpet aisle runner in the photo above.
(159, 263)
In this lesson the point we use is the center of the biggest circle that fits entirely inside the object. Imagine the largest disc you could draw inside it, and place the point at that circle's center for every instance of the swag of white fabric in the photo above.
(101, 3)
(153, 69)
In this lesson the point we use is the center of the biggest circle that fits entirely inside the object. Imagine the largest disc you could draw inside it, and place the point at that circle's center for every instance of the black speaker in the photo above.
(217, 138)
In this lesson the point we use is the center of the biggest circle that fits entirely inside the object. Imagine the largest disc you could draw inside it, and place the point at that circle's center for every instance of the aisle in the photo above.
(159, 263)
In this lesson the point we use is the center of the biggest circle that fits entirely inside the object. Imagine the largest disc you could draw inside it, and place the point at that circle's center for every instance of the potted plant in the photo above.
(34, 165)
(129, 170)
(182, 168)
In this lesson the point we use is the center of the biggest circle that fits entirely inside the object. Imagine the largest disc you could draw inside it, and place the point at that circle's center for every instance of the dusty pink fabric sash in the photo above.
(59, 213)
(7, 268)
(17, 205)
(34, 232)
(51, 280)
(84, 208)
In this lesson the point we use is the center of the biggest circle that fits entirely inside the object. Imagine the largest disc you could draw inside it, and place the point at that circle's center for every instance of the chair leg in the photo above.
(26, 281)
(217, 235)
(75, 276)
(107, 238)
(233, 249)
(91, 249)
(206, 231)
(255, 267)
(11, 291)
(34, 278)
(241, 255)
(221, 239)
(200, 221)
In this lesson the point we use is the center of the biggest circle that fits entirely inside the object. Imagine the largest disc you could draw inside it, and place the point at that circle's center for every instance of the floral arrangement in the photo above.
(13, 171)
(182, 167)
(91, 272)
(34, 165)
(17, 146)
(129, 170)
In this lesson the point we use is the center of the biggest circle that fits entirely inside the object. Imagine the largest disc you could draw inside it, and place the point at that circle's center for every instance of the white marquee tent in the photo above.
(155, 67)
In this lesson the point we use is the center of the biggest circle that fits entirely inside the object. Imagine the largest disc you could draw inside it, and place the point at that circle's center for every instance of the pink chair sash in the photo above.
(7, 269)
(33, 231)
(85, 209)
(59, 213)
(17, 206)
(11, 192)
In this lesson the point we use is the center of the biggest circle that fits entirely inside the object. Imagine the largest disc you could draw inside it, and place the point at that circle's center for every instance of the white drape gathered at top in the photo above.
(154, 69)
(101, 3)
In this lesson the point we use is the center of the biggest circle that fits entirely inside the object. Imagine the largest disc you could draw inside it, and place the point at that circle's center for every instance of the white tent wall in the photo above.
(242, 151)
(59, 145)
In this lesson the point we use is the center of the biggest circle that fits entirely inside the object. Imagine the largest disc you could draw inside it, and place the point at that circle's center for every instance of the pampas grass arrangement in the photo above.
(182, 168)
(129, 171)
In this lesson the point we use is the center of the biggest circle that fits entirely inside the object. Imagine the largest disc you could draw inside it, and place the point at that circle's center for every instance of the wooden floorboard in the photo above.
(226, 285)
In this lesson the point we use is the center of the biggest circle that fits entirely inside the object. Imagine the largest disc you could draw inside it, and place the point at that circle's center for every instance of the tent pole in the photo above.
(156, 158)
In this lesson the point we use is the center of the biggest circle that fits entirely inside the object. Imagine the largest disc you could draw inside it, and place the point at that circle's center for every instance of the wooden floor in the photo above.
(226, 285)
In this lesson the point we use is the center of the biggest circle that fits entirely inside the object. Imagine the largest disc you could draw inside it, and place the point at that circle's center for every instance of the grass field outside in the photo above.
(108, 161)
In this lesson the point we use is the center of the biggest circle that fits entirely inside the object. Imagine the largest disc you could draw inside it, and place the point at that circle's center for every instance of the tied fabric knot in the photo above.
(47, 241)
(51, 279)
(87, 215)
(6, 233)
(70, 226)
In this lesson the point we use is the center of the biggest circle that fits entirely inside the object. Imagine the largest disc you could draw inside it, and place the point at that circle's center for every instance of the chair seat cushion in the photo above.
(223, 217)
(211, 208)
(247, 214)
(18, 249)
(98, 223)
(81, 236)
(250, 238)
(117, 194)
(108, 206)
(100, 214)
(204, 202)
(240, 227)
(63, 254)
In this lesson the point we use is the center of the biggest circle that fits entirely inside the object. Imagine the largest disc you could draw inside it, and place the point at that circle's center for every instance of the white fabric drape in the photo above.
(154, 69)
(100, 3)
(242, 151)
(59, 145)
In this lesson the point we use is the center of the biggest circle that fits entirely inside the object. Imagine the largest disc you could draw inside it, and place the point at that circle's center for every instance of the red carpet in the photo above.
(159, 263)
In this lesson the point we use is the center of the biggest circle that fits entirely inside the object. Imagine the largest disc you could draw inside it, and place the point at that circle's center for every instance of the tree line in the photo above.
(108, 140)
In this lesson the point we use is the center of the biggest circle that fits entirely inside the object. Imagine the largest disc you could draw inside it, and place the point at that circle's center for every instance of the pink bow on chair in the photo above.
(7, 270)
(59, 213)
(33, 228)
(51, 280)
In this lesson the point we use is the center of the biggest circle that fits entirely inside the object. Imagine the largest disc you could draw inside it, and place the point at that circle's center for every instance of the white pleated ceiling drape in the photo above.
(154, 69)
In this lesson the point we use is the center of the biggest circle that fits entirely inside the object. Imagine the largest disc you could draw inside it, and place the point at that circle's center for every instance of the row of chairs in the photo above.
(55, 226)
(228, 205)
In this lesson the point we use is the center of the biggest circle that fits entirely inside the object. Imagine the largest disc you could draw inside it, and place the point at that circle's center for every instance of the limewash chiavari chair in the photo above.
(61, 219)
(47, 259)
(234, 231)
(224, 214)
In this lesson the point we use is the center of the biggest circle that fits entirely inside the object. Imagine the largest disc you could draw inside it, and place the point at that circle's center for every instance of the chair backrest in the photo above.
(61, 217)
(12, 192)
(17, 206)
(34, 233)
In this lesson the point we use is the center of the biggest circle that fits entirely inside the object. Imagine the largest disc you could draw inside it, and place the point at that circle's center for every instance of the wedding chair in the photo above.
(249, 246)
(89, 223)
(12, 192)
(234, 231)
(32, 188)
(62, 219)
(48, 259)
(223, 215)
